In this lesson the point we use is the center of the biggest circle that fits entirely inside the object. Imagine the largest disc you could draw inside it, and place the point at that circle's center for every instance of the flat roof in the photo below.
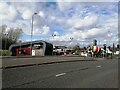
(28, 43)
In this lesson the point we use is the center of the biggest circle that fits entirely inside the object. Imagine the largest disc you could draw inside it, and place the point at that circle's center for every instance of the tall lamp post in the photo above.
(6, 36)
(32, 31)
(109, 36)
(53, 35)
(71, 38)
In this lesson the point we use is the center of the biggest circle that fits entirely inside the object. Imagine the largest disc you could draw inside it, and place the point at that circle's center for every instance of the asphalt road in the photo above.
(81, 74)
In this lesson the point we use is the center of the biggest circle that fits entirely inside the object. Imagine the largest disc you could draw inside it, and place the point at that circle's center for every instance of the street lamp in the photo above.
(71, 38)
(109, 36)
(32, 31)
(53, 35)
(6, 36)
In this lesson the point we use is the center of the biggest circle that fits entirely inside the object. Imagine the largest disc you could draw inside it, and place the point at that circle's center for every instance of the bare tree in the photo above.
(9, 36)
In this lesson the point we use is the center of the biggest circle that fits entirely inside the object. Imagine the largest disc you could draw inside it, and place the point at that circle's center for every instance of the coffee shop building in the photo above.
(39, 48)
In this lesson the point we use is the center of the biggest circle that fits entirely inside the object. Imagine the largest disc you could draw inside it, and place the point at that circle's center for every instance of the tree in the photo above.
(10, 36)
(76, 47)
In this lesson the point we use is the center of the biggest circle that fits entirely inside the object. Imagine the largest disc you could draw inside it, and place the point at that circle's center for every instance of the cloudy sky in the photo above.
(82, 21)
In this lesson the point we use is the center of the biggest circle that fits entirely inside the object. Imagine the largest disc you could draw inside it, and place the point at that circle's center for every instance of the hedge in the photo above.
(4, 52)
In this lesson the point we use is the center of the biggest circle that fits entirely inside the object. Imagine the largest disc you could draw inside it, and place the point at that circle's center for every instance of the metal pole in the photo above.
(53, 40)
(53, 43)
(20, 47)
(113, 48)
(32, 32)
(53, 35)
(71, 38)
(5, 40)
(1, 39)
(31, 36)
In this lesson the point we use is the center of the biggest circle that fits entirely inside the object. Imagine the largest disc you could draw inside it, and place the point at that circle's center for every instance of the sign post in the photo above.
(20, 42)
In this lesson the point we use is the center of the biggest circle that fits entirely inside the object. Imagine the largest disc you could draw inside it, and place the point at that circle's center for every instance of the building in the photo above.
(39, 48)
(59, 50)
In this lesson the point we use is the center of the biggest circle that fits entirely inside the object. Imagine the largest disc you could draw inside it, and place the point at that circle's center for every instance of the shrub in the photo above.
(0, 52)
(4, 52)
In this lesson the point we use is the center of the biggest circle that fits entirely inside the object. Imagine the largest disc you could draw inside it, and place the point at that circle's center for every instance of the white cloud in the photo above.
(25, 9)
(59, 1)
(64, 4)
(42, 31)
(41, 14)
(81, 24)
(39, 19)
(7, 12)
(3, 8)
(56, 33)
(52, 18)
(46, 30)
(77, 20)
(27, 14)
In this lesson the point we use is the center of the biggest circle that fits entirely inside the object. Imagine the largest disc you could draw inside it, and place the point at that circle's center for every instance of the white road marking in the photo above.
(98, 66)
(60, 74)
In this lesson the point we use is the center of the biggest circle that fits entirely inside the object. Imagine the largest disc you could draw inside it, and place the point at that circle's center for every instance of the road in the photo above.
(81, 74)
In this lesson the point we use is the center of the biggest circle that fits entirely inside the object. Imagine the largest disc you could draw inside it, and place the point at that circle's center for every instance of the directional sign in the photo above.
(20, 41)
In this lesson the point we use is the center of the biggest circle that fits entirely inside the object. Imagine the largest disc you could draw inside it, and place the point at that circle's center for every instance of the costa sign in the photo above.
(96, 48)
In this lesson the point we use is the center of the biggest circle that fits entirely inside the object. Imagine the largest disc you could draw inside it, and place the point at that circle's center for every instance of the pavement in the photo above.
(13, 62)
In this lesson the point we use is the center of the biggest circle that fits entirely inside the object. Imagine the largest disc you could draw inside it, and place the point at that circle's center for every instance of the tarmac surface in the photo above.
(59, 72)
(80, 74)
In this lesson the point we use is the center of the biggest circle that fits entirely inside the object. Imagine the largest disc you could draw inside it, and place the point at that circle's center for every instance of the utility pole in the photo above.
(113, 48)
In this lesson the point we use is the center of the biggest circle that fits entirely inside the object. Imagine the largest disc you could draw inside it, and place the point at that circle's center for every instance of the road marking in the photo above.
(98, 66)
(60, 74)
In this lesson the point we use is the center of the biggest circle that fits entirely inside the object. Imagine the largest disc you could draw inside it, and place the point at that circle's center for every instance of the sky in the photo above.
(81, 21)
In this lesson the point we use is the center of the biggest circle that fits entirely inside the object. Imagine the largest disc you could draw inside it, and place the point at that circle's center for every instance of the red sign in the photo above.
(20, 41)
(96, 48)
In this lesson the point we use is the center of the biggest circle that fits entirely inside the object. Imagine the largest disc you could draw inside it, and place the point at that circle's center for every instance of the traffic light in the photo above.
(95, 42)
(104, 47)
(118, 46)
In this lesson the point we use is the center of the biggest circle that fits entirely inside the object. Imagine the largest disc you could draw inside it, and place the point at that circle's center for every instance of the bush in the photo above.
(4, 52)
(77, 52)
(0, 52)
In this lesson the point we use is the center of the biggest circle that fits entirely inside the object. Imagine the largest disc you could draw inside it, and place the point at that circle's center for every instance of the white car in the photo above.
(117, 52)
(84, 54)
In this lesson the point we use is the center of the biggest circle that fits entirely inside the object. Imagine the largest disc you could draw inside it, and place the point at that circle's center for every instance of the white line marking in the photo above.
(98, 66)
(60, 74)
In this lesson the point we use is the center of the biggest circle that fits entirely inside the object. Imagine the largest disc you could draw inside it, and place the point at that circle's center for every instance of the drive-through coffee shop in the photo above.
(39, 48)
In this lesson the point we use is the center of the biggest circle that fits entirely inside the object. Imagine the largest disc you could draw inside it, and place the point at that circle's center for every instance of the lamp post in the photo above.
(53, 35)
(108, 37)
(32, 31)
(71, 38)
(6, 36)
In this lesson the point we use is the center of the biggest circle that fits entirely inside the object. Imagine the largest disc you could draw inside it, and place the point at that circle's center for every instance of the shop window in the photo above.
(22, 52)
(38, 46)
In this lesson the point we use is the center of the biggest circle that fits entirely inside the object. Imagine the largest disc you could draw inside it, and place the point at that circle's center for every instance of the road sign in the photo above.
(20, 41)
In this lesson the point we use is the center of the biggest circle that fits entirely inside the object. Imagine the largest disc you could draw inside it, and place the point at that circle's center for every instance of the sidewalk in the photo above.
(13, 62)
